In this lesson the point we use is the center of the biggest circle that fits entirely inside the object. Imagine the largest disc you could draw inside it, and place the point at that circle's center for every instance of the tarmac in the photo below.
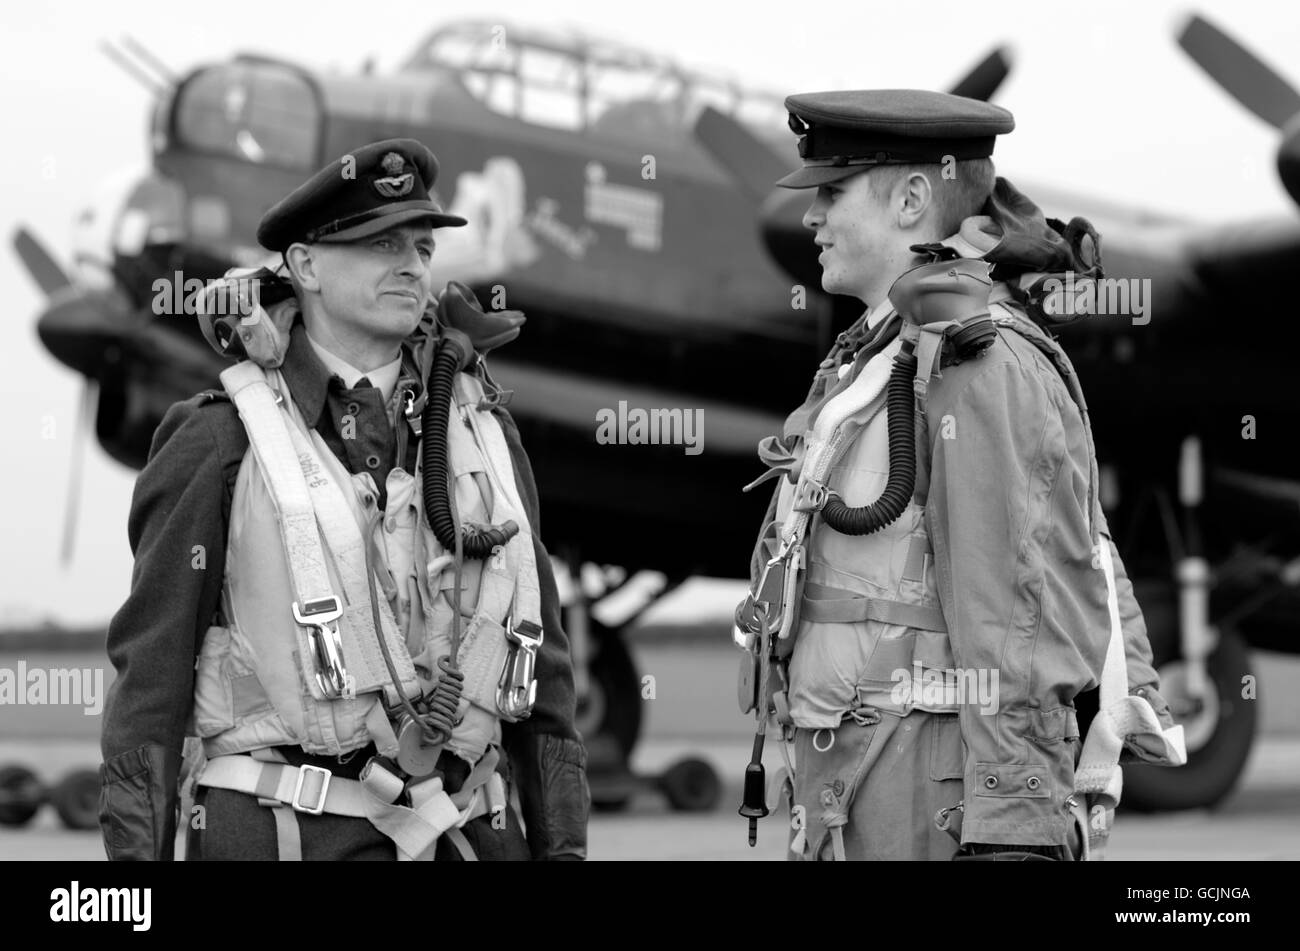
(689, 710)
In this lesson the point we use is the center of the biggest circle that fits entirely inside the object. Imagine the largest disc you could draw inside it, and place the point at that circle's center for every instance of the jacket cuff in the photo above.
(137, 804)
(552, 775)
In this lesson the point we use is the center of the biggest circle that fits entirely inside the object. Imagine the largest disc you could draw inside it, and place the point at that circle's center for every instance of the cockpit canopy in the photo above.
(575, 82)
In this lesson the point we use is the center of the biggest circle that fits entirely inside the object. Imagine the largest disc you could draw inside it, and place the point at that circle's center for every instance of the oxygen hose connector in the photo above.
(455, 351)
(944, 292)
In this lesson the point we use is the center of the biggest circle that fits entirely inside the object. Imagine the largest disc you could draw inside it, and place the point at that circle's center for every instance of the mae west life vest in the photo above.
(869, 617)
(297, 536)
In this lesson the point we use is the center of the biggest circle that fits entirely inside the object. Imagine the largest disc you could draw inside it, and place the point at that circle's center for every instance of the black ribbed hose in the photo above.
(900, 403)
(478, 541)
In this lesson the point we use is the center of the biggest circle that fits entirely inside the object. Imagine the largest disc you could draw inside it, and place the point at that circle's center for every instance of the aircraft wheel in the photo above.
(1218, 730)
(609, 719)
(691, 785)
(21, 795)
(76, 799)
(612, 708)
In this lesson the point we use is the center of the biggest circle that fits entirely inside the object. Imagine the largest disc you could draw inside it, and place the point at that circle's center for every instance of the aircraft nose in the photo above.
(79, 328)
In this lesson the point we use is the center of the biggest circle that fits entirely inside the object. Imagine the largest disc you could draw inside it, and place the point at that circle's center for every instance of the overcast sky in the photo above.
(1104, 101)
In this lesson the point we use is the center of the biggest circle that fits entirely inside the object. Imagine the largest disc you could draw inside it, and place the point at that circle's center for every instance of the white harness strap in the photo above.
(271, 444)
(414, 829)
(1098, 779)
(310, 504)
(509, 586)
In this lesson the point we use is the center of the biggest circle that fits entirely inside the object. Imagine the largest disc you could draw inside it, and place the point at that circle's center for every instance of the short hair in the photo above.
(957, 196)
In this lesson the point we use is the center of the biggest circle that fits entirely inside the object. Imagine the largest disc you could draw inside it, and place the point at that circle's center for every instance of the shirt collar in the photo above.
(384, 377)
(878, 313)
(308, 377)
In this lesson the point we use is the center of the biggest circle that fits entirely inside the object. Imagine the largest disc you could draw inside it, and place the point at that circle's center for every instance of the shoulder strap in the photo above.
(308, 510)
(269, 439)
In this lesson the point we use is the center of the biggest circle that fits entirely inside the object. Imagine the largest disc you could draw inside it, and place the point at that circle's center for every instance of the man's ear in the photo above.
(914, 198)
(301, 260)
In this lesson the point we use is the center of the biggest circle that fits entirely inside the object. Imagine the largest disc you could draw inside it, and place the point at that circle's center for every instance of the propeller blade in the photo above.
(1239, 72)
(983, 80)
(753, 163)
(40, 264)
(89, 395)
(1288, 160)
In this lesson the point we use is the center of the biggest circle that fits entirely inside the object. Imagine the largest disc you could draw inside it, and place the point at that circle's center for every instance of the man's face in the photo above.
(857, 236)
(377, 285)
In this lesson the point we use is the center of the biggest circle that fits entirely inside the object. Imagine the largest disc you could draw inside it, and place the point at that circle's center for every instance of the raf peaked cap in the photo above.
(362, 193)
(841, 133)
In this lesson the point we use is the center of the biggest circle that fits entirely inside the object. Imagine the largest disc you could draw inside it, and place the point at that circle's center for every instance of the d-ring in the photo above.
(828, 746)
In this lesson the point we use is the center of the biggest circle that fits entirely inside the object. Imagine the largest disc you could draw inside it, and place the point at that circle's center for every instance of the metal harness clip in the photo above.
(321, 617)
(517, 689)
(319, 807)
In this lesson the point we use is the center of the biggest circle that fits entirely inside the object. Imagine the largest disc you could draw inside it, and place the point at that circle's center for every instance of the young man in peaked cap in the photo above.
(942, 634)
(352, 645)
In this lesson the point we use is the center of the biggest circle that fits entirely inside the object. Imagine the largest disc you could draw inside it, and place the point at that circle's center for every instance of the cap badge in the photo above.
(396, 184)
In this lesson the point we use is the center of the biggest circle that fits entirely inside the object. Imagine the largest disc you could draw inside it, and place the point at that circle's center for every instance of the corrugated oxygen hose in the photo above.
(477, 541)
(900, 403)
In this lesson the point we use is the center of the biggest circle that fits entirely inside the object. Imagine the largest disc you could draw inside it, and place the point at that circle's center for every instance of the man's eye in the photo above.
(383, 243)
(426, 252)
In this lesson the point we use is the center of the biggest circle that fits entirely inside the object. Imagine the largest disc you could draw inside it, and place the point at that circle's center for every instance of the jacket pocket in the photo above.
(947, 752)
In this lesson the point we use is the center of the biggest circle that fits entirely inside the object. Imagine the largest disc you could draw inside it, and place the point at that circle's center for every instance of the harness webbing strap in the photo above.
(844, 607)
(311, 504)
(272, 446)
(414, 829)
(1098, 777)
(287, 835)
(509, 586)
(346, 544)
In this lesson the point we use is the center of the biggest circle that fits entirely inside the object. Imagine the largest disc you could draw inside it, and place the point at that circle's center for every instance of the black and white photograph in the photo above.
(674, 432)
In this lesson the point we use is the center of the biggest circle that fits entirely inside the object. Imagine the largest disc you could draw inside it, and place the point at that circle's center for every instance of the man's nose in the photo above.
(815, 216)
(412, 264)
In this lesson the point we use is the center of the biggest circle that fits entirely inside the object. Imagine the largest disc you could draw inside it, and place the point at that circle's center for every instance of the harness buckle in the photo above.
(319, 807)
(517, 689)
(320, 616)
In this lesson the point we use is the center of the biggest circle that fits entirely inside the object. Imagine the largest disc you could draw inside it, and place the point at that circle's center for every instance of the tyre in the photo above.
(1218, 732)
(609, 719)
(21, 795)
(612, 708)
(76, 799)
(691, 785)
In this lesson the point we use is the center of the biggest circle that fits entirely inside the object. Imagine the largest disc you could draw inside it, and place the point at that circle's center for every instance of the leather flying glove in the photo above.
(551, 773)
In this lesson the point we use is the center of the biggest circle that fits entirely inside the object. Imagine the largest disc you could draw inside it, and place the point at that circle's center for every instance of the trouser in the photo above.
(229, 825)
(871, 792)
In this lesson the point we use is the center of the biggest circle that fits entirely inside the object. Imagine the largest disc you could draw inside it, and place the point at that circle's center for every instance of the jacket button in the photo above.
(372, 461)
(991, 782)
(1033, 782)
